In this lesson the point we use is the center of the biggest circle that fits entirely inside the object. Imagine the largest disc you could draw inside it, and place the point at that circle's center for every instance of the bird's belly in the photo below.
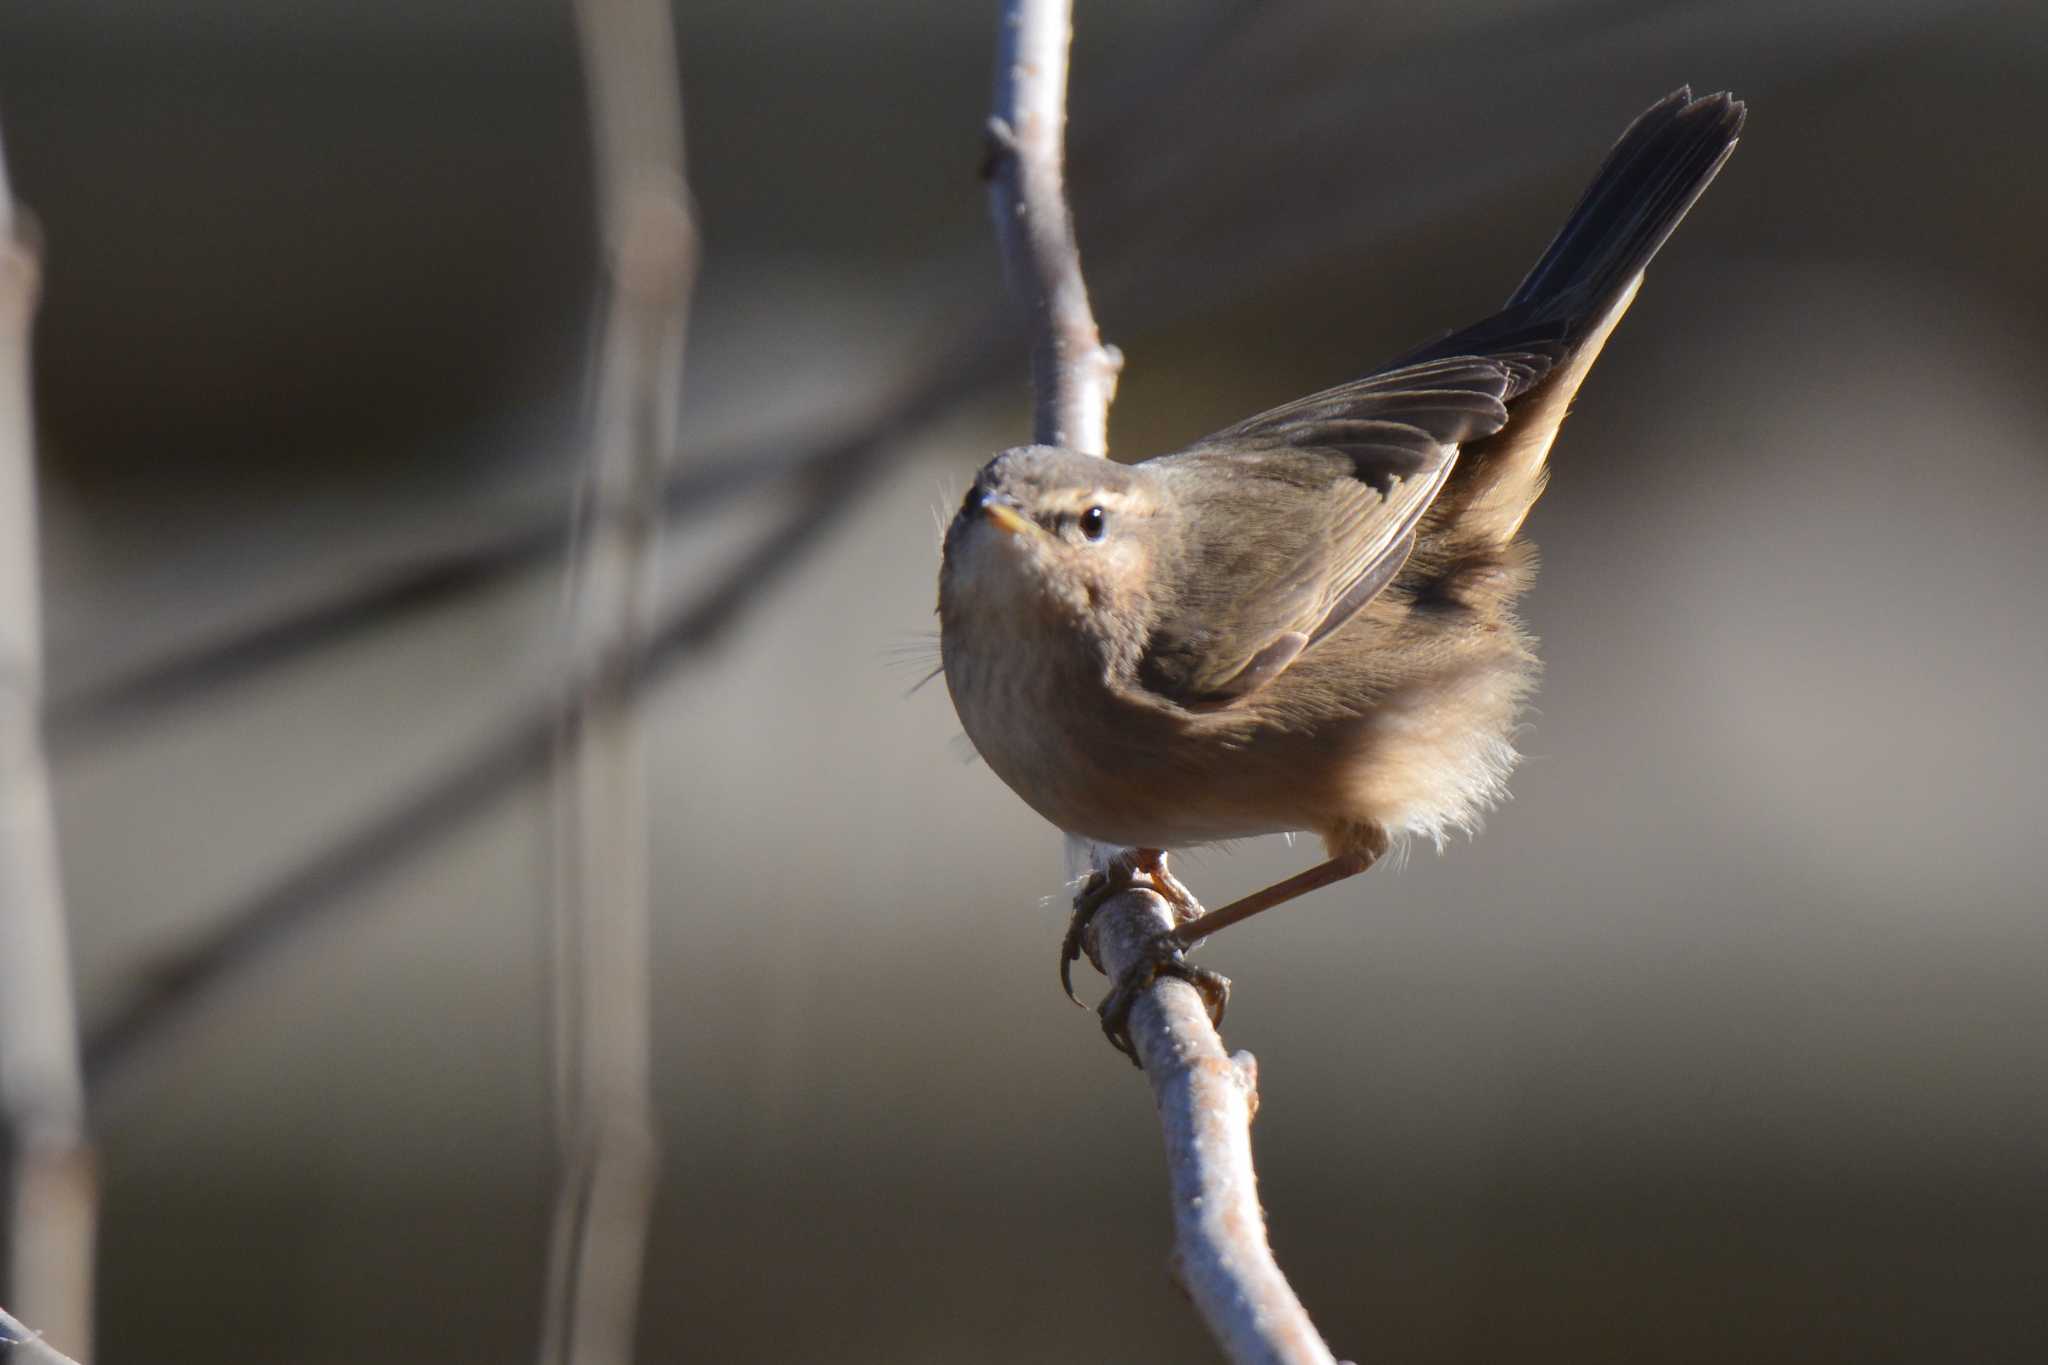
(1425, 757)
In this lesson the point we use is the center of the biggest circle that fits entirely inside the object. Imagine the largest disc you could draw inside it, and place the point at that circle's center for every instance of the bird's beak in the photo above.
(1008, 519)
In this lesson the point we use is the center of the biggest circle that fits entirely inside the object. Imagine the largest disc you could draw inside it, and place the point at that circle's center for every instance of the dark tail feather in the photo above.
(1552, 328)
(1664, 162)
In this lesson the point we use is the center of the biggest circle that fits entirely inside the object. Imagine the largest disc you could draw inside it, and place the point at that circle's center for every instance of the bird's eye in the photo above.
(1093, 522)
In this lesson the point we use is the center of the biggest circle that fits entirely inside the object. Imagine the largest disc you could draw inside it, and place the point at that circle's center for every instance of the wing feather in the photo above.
(1340, 480)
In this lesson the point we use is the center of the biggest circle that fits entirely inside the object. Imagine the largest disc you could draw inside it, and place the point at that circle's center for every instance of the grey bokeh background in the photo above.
(1724, 1041)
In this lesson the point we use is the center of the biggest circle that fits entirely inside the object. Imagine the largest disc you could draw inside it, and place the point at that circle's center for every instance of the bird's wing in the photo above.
(1296, 518)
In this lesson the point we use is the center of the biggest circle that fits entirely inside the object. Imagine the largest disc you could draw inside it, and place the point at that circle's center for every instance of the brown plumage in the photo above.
(1303, 622)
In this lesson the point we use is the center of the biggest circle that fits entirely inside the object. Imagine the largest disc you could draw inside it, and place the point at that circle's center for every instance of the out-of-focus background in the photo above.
(1724, 1041)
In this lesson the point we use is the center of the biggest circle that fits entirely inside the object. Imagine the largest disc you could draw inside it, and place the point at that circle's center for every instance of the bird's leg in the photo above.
(1191, 931)
(1152, 862)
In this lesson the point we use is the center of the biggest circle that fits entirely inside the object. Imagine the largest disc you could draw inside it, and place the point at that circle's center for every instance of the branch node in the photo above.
(998, 145)
(1247, 1069)
(657, 250)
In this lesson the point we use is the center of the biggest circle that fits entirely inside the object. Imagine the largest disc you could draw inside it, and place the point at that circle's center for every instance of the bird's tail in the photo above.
(1661, 165)
(1552, 327)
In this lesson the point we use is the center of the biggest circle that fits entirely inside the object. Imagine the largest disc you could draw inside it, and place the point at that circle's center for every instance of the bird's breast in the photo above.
(1092, 757)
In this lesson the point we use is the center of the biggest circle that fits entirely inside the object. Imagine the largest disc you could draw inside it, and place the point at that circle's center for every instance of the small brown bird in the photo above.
(1304, 622)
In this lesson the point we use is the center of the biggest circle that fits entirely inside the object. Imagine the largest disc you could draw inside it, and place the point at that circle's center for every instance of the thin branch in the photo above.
(1205, 1098)
(1206, 1101)
(1073, 375)
(608, 1148)
(50, 1187)
(26, 1345)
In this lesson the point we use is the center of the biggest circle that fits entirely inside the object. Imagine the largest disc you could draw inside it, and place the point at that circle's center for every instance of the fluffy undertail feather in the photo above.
(1507, 472)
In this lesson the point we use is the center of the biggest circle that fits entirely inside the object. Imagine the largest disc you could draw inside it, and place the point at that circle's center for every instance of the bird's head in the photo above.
(1057, 536)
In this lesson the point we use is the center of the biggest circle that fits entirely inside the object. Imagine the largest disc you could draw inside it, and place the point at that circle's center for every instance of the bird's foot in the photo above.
(1137, 867)
(1163, 957)
(1134, 867)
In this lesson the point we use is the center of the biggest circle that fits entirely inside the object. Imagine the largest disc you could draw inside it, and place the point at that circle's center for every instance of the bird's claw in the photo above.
(1089, 900)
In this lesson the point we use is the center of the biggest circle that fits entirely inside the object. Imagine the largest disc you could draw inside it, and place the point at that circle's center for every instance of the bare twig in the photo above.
(1073, 375)
(51, 1190)
(1205, 1098)
(608, 1150)
(1206, 1101)
(26, 1345)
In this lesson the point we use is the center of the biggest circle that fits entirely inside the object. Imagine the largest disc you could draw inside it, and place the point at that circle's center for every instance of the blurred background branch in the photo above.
(51, 1187)
(608, 1146)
